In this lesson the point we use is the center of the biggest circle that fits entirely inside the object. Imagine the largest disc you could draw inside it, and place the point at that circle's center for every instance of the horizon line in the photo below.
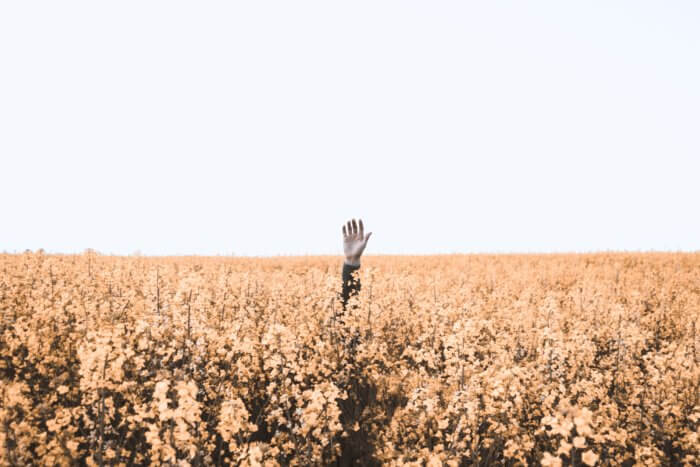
(340, 256)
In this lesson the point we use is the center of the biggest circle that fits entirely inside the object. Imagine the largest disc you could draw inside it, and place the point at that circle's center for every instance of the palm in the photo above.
(353, 246)
(354, 240)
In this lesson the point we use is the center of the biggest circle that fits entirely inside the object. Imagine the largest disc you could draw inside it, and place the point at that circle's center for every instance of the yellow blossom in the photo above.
(589, 458)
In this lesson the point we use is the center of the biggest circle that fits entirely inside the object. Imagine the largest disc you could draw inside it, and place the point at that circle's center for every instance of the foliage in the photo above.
(454, 360)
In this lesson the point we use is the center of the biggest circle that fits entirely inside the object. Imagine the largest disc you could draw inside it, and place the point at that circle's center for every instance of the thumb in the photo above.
(367, 237)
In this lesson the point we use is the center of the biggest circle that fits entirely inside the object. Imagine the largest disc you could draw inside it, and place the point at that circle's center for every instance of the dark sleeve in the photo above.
(351, 285)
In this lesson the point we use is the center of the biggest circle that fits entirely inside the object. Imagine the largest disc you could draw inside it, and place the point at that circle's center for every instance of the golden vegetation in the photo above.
(450, 360)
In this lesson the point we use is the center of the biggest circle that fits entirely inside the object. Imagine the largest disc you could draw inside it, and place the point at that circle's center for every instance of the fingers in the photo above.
(355, 228)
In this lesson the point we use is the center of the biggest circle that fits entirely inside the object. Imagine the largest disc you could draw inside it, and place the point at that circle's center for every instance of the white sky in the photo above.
(257, 128)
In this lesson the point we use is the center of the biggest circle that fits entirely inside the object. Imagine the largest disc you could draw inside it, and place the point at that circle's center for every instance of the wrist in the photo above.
(352, 261)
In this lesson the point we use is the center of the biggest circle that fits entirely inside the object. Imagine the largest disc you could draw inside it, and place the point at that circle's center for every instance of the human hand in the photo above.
(354, 241)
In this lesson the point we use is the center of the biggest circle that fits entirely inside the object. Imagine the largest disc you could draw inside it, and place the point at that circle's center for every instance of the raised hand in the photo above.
(354, 241)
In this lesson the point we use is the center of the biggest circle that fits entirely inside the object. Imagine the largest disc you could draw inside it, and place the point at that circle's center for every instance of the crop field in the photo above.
(440, 360)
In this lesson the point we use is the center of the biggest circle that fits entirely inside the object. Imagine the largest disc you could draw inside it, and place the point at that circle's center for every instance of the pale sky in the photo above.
(257, 128)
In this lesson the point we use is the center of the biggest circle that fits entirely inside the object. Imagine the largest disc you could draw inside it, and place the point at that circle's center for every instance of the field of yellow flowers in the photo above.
(440, 360)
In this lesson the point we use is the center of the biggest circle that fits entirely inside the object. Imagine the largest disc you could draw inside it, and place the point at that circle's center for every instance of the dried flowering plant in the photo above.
(444, 360)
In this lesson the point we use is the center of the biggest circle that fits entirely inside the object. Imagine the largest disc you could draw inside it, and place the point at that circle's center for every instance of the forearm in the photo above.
(351, 283)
